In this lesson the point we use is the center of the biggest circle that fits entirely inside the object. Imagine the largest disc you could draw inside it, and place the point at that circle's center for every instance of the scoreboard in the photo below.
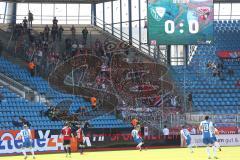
(180, 22)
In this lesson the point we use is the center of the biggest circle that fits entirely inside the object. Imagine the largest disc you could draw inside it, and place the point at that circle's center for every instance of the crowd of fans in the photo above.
(218, 70)
(55, 113)
(43, 55)
(43, 51)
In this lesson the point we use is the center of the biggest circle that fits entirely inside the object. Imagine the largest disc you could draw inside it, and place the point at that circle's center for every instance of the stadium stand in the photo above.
(42, 86)
(213, 89)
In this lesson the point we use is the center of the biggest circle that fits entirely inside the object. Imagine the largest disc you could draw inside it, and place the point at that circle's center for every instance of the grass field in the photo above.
(227, 153)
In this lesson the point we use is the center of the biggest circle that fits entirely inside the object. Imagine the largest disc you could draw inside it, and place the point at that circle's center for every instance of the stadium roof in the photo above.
(88, 1)
(58, 1)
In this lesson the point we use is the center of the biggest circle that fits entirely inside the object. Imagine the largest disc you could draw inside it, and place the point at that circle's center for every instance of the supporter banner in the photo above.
(223, 139)
(180, 21)
(229, 54)
(49, 140)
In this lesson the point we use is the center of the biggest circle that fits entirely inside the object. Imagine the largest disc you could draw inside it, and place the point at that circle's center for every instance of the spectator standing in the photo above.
(46, 32)
(134, 122)
(31, 67)
(94, 102)
(23, 121)
(16, 122)
(85, 127)
(55, 21)
(54, 32)
(238, 83)
(73, 30)
(30, 18)
(193, 131)
(85, 34)
(165, 132)
(1, 97)
(230, 72)
(174, 101)
(190, 101)
(1, 48)
(25, 21)
(60, 32)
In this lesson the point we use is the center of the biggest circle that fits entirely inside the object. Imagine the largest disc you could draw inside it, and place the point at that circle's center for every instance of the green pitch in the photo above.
(227, 153)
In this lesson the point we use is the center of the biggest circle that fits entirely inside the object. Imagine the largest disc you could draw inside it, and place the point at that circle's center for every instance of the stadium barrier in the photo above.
(50, 140)
(223, 139)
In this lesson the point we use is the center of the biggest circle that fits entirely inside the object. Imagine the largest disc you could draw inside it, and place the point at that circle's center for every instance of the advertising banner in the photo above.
(50, 140)
(223, 139)
(179, 22)
(10, 141)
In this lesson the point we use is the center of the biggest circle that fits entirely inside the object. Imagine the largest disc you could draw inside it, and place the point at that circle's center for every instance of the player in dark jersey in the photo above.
(66, 134)
(80, 138)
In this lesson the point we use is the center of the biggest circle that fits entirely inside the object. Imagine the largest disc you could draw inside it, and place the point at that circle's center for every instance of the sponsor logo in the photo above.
(224, 140)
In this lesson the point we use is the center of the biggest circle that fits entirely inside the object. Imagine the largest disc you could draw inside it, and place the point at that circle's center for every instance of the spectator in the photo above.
(174, 101)
(1, 48)
(134, 122)
(68, 45)
(55, 21)
(1, 97)
(190, 101)
(193, 131)
(31, 67)
(16, 122)
(94, 102)
(25, 24)
(86, 125)
(165, 131)
(220, 66)
(41, 36)
(54, 114)
(60, 32)
(230, 72)
(82, 110)
(23, 121)
(216, 72)
(54, 32)
(85, 34)
(30, 18)
(238, 83)
(73, 30)
(123, 115)
(46, 32)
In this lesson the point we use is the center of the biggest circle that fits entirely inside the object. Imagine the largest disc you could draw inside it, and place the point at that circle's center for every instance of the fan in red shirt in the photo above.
(80, 136)
(66, 133)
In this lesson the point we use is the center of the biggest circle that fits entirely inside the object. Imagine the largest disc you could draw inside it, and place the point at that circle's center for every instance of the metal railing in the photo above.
(218, 119)
(119, 34)
(16, 86)
(46, 19)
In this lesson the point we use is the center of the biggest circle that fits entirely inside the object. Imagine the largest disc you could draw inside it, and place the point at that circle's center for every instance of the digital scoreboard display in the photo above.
(179, 22)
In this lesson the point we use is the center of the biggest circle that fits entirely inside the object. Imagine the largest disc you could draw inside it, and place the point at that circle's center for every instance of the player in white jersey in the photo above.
(186, 135)
(207, 127)
(26, 137)
(216, 143)
(137, 139)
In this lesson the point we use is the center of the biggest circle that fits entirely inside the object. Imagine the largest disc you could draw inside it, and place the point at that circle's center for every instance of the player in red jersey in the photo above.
(66, 133)
(80, 136)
